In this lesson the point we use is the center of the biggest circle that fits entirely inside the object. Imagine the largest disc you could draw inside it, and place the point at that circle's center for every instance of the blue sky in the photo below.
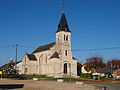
(94, 24)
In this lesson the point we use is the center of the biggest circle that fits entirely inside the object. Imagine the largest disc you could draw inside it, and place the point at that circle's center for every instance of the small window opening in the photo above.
(66, 52)
(46, 60)
(67, 38)
(64, 37)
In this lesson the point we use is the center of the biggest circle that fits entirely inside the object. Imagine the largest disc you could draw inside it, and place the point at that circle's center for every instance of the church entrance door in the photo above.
(65, 68)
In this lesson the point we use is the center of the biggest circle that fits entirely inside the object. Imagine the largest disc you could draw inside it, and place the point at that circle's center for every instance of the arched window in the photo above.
(64, 37)
(46, 60)
(66, 53)
(39, 59)
(65, 68)
(26, 70)
(67, 38)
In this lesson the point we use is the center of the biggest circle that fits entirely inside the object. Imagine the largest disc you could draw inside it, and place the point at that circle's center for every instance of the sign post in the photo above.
(70, 71)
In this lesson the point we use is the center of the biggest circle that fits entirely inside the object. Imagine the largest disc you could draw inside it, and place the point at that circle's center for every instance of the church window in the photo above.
(66, 53)
(64, 37)
(67, 38)
(46, 60)
(65, 68)
(25, 59)
(26, 70)
(39, 59)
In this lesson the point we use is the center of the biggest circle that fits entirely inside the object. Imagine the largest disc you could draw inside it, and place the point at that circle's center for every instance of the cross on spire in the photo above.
(62, 6)
(63, 26)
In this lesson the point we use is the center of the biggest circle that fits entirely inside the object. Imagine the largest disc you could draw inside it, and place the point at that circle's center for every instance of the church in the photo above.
(54, 59)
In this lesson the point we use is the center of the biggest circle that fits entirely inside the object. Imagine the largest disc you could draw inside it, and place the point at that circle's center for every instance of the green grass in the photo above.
(37, 76)
(52, 78)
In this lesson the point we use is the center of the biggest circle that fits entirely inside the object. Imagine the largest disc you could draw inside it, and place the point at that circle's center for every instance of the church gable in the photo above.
(55, 55)
(31, 57)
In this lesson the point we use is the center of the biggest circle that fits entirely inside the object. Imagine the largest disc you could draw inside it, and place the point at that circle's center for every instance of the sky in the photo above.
(32, 23)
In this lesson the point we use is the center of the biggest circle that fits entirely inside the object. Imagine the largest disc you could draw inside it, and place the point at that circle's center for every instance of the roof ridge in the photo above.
(43, 47)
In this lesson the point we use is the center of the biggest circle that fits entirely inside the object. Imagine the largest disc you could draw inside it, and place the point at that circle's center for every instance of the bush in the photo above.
(36, 76)
(86, 75)
(10, 71)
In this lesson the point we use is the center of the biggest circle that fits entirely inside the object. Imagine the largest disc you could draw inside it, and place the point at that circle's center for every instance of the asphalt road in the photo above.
(108, 85)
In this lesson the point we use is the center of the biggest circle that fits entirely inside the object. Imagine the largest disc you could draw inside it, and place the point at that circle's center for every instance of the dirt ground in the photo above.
(42, 85)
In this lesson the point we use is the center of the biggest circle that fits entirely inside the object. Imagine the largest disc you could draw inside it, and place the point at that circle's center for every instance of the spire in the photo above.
(62, 6)
(63, 26)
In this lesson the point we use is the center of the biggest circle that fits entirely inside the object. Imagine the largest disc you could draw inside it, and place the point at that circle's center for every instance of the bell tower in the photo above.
(63, 27)
(63, 38)
(63, 47)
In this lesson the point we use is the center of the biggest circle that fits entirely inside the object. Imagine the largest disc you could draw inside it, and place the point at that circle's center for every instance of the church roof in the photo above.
(31, 57)
(55, 55)
(44, 47)
(63, 26)
(74, 58)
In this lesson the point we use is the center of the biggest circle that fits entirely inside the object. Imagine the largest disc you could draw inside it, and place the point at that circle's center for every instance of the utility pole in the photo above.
(16, 46)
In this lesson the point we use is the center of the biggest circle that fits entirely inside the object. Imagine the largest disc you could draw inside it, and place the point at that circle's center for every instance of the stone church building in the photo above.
(53, 59)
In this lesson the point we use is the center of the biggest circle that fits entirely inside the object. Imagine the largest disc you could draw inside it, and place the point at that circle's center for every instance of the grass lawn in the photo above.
(66, 79)
(52, 78)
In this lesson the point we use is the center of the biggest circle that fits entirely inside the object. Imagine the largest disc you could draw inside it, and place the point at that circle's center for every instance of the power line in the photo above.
(26, 46)
(6, 46)
(17, 45)
(96, 49)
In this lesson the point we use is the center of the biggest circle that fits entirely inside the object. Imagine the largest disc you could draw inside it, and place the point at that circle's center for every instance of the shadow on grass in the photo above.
(11, 86)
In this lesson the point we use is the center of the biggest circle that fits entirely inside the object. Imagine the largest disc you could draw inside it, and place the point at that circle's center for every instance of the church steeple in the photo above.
(63, 26)
(63, 38)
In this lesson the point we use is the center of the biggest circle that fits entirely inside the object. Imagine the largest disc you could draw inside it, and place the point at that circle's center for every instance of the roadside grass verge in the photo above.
(67, 79)
(52, 78)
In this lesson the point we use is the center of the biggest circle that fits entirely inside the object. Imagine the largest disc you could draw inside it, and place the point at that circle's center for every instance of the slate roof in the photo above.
(44, 47)
(19, 62)
(74, 58)
(63, 26)
(31, 57)
(55, 55)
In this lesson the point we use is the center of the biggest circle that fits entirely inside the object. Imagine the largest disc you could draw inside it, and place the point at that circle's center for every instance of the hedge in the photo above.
(86, 75)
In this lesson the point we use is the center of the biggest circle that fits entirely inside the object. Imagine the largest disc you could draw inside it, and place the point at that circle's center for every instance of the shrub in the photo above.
(86, 75)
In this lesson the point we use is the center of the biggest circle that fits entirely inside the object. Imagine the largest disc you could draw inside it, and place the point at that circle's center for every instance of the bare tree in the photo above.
(114, 64)
(95, 63)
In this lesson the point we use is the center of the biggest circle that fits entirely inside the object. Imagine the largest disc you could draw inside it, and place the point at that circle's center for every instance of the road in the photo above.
(108, 85)
(9, 84)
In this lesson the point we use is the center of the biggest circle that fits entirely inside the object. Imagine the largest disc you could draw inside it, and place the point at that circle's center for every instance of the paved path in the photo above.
(42, 85)
(109, 85)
